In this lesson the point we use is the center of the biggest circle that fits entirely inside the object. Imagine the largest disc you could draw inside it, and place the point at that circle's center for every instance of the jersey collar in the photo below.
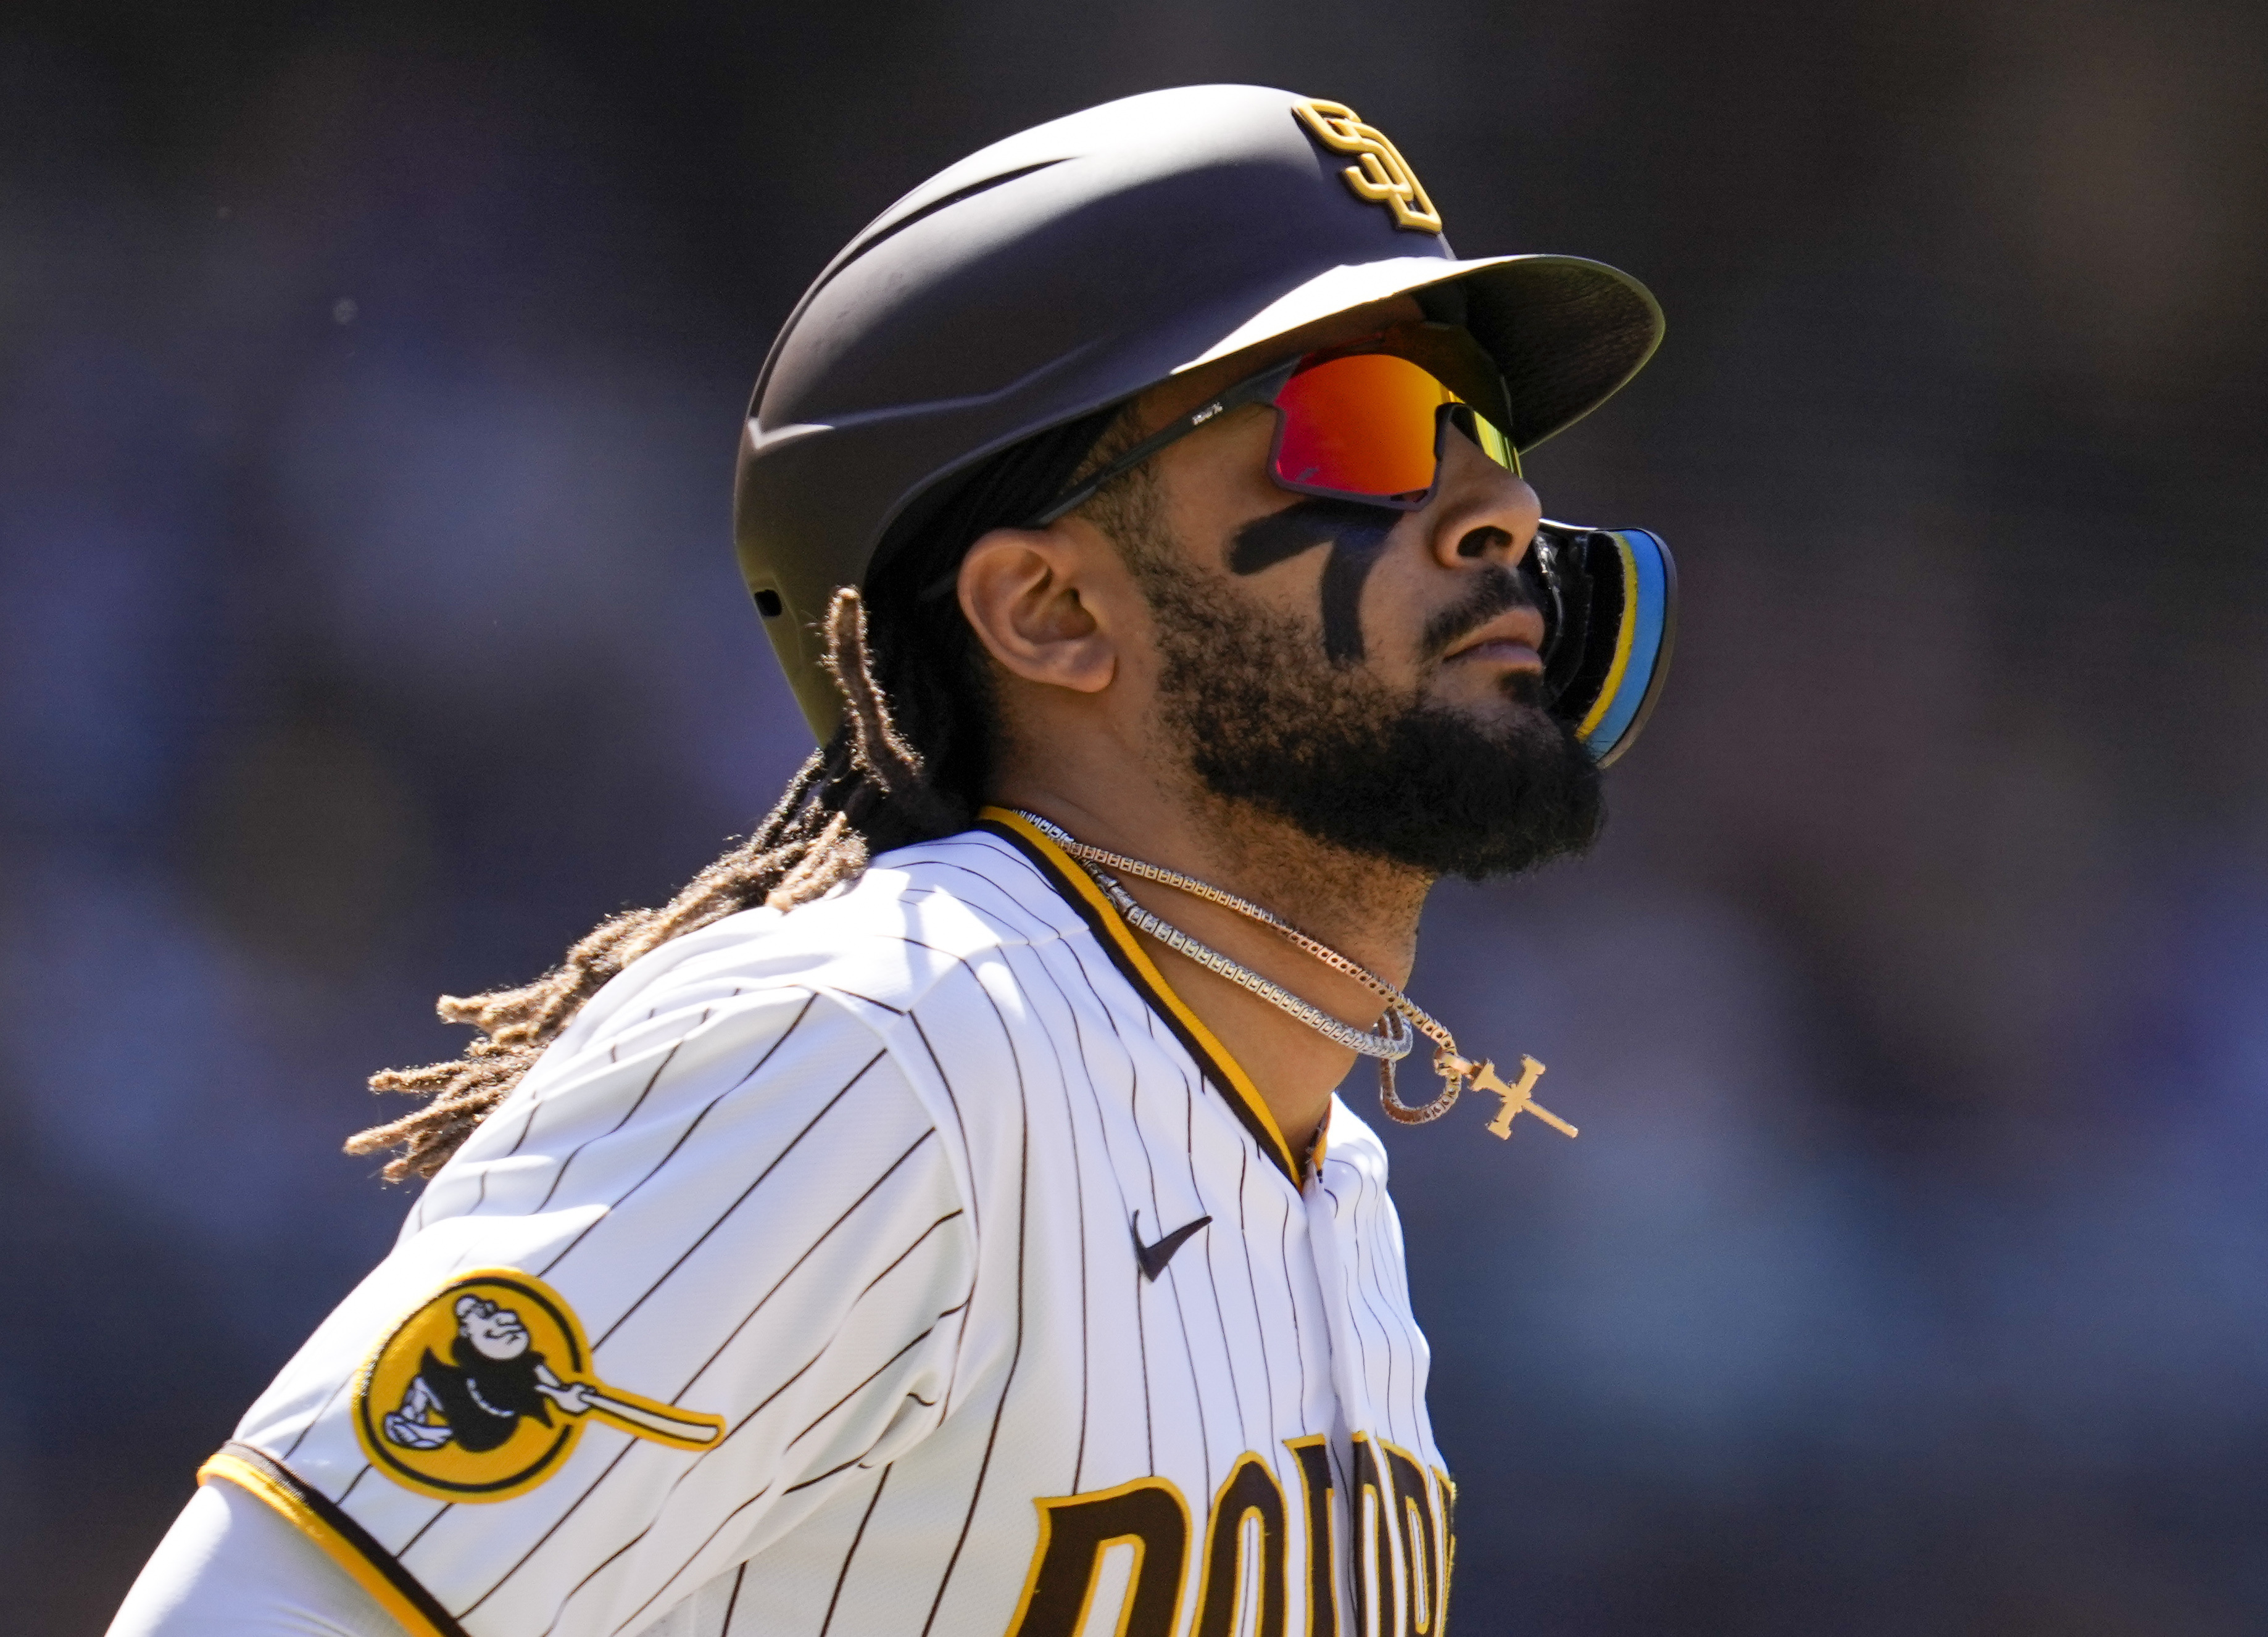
(1133, 961)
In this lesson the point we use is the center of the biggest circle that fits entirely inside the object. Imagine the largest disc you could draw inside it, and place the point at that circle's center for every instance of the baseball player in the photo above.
(938, 1220)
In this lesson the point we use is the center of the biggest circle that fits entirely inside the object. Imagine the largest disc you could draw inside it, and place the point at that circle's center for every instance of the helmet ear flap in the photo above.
(1610, 603)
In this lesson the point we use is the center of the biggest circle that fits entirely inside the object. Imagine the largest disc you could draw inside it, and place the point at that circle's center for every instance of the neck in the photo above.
(1363, 907)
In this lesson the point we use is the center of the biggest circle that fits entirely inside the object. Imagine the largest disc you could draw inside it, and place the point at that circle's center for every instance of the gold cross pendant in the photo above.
(1518, 1098)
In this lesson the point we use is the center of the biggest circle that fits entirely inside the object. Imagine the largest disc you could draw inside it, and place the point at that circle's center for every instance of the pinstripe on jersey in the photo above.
(869, 1181)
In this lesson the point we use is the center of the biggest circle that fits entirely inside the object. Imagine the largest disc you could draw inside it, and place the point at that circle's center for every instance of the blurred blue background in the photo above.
(369, 382)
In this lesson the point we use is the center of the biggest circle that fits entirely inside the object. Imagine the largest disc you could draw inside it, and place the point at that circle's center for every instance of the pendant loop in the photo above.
(1425, 1113)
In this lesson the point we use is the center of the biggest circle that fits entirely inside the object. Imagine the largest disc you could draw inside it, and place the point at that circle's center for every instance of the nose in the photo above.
(1482, 515)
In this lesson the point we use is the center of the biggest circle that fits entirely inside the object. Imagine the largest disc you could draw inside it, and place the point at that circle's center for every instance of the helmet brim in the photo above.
(1567, 332)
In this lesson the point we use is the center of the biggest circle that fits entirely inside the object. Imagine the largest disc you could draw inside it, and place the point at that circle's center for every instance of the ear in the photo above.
(1039, 599)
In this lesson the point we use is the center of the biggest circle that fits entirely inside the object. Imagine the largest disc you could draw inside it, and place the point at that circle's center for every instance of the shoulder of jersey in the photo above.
(889, 937)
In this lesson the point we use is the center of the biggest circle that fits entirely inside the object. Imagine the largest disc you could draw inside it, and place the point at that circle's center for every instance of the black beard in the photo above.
(1269, 720)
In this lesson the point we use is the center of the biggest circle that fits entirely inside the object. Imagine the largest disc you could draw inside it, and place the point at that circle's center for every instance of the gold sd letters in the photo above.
(1379, 173)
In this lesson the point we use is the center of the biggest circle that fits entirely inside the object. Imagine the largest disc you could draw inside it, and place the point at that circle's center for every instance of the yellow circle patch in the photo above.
(481, 1392)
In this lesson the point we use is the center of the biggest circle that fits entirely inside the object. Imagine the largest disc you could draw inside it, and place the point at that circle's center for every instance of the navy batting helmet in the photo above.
(1065, 269)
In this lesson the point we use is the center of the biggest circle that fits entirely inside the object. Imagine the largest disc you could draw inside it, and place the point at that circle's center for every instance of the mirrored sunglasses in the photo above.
(1365, 426)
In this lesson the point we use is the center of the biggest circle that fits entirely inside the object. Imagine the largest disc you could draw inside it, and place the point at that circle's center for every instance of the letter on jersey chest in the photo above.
(1122, 1561)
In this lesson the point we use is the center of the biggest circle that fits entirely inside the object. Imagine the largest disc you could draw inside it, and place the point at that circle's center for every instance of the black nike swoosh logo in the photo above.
(1154, 1257)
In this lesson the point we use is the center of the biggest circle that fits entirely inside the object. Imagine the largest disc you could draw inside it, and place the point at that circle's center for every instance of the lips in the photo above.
(1515, 637)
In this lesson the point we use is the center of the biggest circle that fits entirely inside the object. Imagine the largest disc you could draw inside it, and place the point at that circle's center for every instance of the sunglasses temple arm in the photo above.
(1252, 389)
(1505, 386)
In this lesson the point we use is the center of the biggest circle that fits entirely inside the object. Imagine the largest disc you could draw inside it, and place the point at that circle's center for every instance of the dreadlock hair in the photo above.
(911, 762)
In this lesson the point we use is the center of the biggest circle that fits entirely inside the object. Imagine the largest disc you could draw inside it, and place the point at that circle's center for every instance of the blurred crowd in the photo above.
(368, 388)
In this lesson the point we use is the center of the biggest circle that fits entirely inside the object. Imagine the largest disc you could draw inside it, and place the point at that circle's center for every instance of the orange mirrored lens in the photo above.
(1366, 424)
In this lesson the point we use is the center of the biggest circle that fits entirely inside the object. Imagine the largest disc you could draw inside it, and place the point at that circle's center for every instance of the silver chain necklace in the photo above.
(1405, 1019)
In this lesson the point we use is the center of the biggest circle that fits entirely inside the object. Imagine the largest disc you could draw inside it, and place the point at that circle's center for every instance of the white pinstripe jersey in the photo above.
(912, 1263)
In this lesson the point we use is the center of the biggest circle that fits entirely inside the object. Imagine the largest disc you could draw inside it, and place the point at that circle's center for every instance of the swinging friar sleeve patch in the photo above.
(466, 1401)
